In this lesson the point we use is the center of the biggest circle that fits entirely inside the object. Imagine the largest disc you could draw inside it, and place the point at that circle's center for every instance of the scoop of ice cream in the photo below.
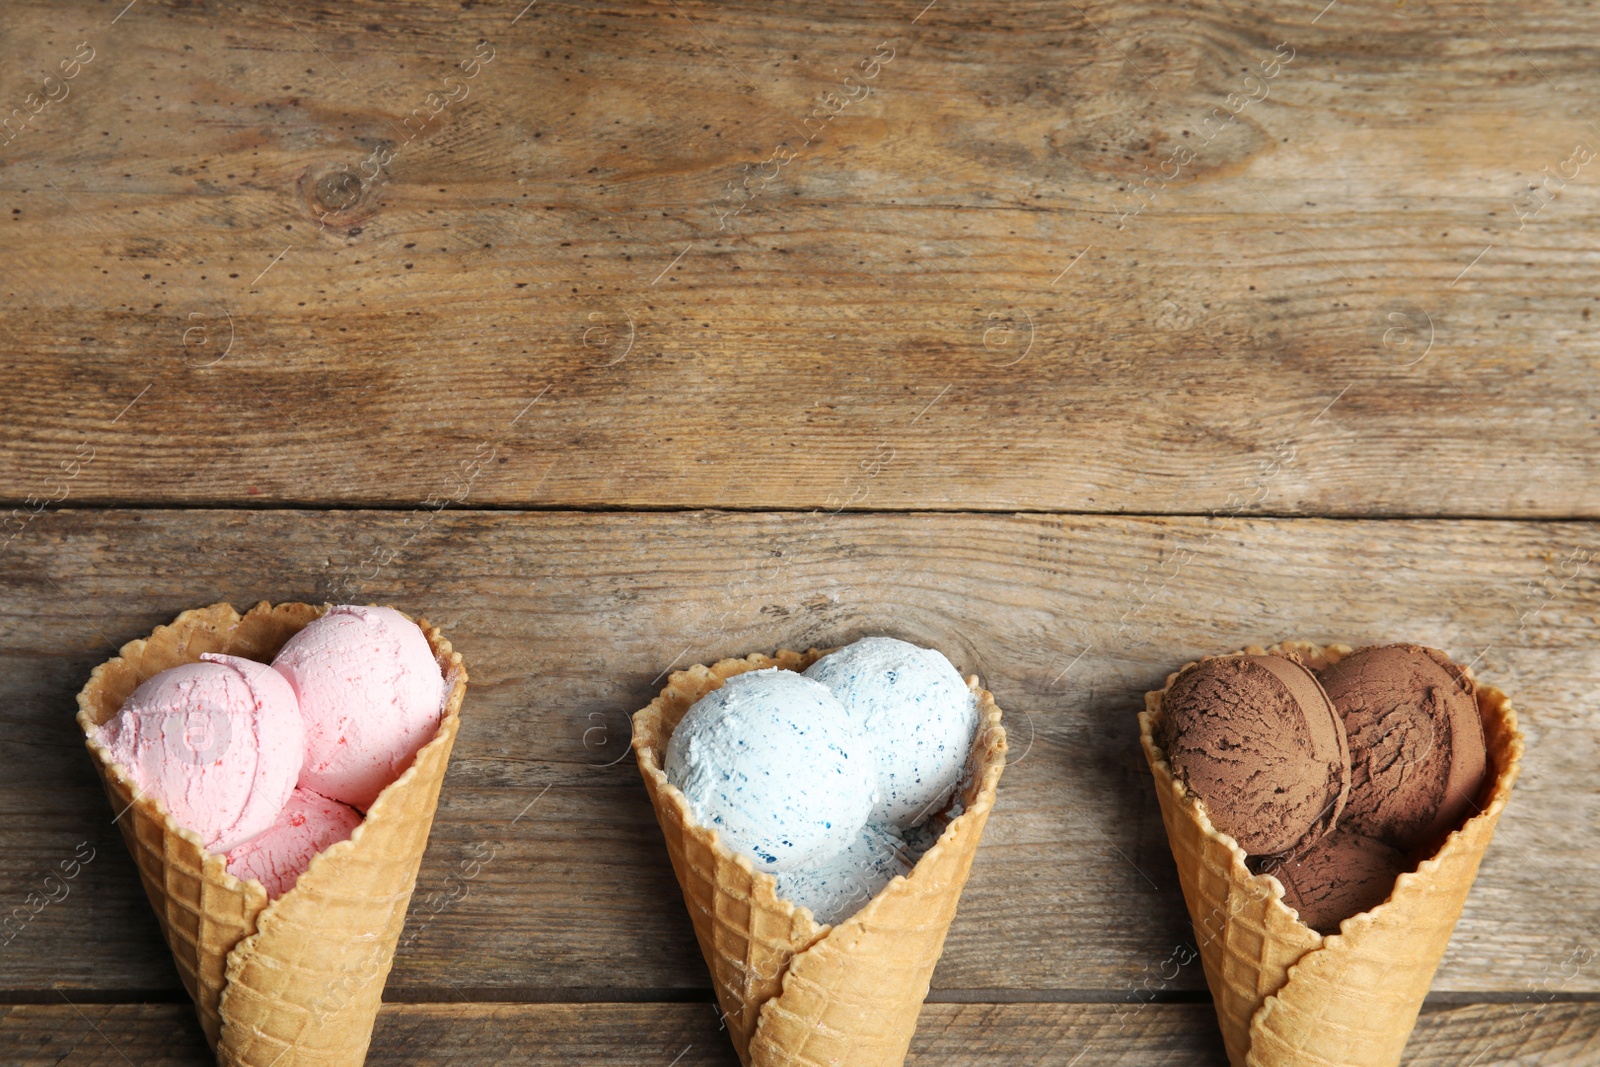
(774, 764)
(218, 742)
(1417, 753)
(836, 887)
(1340, 875)
(308, 824)
(919, 711)
(1257, 740)
(371, 693)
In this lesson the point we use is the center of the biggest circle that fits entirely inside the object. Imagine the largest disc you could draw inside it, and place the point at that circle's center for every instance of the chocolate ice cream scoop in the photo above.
(1416, 742)
(1342, 874)
(1256, 739)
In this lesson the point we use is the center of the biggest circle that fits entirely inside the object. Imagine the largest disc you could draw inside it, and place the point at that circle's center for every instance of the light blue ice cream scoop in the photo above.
(836, 888)
(773, 763)
(914, 704)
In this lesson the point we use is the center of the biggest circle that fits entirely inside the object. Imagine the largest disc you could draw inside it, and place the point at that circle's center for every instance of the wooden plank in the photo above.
(897, 318)
(567, 620)
(687, 1035)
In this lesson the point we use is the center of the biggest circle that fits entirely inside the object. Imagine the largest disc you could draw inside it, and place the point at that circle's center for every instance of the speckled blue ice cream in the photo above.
(836, 888)
(774, 765)
(915, 705)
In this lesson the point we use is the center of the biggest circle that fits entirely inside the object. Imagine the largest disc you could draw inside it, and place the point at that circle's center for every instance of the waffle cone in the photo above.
(1285, 994)
(296, 981)
(794, 992)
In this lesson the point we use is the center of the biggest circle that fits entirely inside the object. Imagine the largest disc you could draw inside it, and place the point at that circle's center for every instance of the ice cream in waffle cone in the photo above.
(296, 981)
(794, 992)
(1285, 994)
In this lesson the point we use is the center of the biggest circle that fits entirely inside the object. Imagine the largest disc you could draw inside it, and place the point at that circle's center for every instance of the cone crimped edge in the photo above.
(297, 980)
(795, 992)
(1285, 994)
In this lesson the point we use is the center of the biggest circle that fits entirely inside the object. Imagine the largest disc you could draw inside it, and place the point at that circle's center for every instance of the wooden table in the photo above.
(1076, 340)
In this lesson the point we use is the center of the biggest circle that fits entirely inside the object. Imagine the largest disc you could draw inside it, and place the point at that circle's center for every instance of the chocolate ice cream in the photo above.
(1256, 739)
(1416, 742)
(1342, 874)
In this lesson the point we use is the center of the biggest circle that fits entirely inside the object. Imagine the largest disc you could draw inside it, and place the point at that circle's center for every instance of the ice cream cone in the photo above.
(295, 981)
(794, 992)
(1285, 994)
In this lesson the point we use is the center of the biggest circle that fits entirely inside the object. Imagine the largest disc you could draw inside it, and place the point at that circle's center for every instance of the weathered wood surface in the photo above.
(249, 260)
(687, 1035)
(568, 619)
(895, 318)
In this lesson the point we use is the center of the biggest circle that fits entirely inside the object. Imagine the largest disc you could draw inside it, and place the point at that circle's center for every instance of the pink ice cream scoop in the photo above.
(371, 695)
(309, 823)
(219, 743)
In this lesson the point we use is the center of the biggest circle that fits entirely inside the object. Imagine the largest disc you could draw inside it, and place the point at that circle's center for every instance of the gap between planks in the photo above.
(776, 509)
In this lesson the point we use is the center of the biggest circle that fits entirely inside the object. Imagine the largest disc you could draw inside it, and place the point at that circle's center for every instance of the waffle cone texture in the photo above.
(1285, 995)
(294, 982)
(793, 992)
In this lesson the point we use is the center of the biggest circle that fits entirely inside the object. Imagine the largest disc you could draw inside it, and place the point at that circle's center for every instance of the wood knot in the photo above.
(340, 196)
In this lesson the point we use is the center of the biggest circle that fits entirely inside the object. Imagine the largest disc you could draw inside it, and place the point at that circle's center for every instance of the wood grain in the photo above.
(568, 619)
(687, 1035)
(635, 256)
(896, 318)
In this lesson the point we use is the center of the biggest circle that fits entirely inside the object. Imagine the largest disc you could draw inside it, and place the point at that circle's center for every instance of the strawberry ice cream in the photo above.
(309, 823)
(371, 695)
(219, 743)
